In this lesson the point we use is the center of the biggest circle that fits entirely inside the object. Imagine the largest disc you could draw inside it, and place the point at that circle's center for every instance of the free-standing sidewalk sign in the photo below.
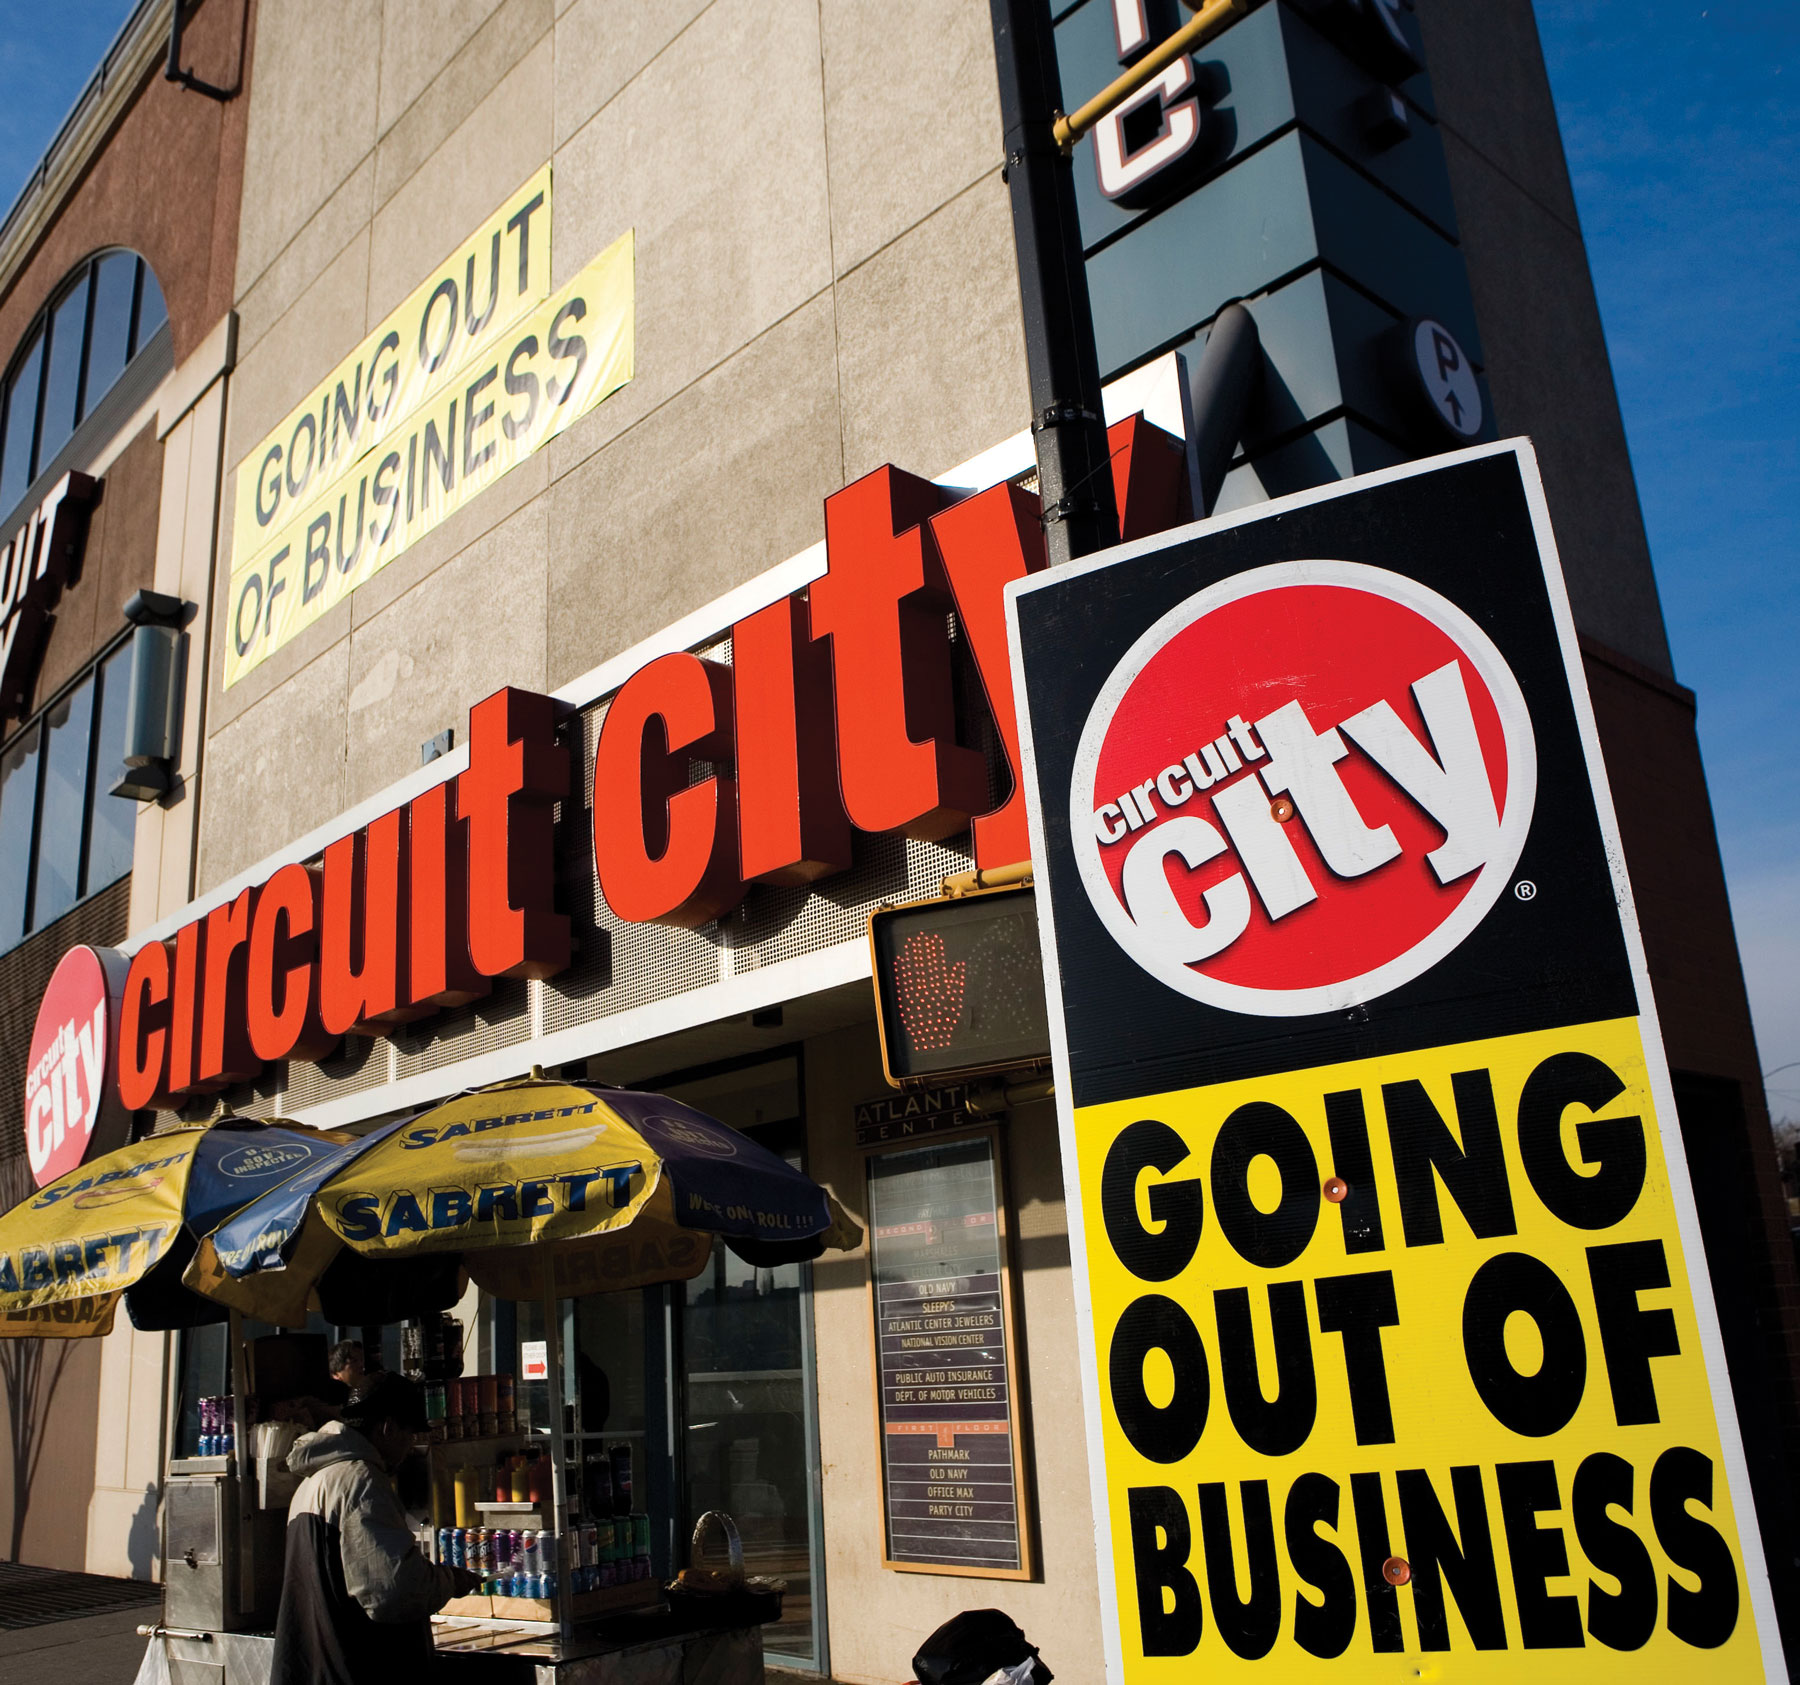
(1399, 1354)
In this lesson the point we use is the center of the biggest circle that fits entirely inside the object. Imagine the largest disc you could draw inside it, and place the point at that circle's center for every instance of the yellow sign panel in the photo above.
(451, 317)
(550, 368)
(1401, 1378)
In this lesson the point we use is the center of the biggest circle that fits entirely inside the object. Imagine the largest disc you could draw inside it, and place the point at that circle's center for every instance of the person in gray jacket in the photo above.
(357, 1595)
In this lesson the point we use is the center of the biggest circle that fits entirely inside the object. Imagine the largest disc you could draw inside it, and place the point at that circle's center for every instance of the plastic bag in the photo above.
(975, 1647)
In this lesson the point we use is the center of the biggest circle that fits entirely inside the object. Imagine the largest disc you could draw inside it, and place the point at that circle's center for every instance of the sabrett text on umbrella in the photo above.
(64, 1190)
(92, 1259)
(413, 1139)
(366, 1216)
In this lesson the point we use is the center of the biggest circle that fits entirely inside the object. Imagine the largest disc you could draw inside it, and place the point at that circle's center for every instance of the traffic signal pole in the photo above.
(1067, 424)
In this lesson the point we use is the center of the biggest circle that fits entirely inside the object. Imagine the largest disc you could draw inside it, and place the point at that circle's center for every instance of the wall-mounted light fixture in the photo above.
(153, 709)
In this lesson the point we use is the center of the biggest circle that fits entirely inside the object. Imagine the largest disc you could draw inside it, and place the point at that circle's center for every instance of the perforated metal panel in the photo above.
(361, 1062)
(501, 1019)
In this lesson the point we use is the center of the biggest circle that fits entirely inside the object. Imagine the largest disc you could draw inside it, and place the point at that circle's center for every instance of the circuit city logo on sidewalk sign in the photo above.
(71, 1100)
(1398, 1350)
(1337, 764)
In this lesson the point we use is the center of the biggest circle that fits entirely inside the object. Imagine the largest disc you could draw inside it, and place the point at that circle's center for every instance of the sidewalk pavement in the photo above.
(90, 1650)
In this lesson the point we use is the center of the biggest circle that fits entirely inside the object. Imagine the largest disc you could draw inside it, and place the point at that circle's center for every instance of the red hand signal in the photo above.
(931, 992)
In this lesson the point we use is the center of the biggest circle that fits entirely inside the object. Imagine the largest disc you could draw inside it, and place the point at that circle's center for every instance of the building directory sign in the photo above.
(951, 1459)
(1398, 1345)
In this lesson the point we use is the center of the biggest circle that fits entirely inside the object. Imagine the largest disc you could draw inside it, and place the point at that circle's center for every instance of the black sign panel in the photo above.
(1549, 950)
(960, 985)
(948, 1425)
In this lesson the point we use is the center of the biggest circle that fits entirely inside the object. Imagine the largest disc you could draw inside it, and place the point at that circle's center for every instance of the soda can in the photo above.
(443, 1544)
(548, 1551)
(528, 1559)
(640, 1536)
(459, 1554)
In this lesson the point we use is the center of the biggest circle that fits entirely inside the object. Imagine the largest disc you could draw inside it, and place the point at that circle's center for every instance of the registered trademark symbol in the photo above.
(1525, 889)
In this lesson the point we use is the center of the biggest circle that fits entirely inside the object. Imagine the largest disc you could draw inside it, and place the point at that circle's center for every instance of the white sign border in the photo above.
(1756, 1575)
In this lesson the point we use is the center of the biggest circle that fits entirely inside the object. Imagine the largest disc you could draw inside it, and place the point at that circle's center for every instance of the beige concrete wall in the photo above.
(825, 282)
(879, 1616)
(133, 1387)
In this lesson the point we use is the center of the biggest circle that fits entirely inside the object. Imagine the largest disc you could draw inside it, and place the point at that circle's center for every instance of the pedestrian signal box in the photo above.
(959, 986)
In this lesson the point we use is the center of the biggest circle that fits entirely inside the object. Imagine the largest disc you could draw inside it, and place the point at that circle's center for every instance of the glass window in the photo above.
(205, 1373)
(64, 807)
(113, 827)
(151, 313)
(749, 1438)
(18, 804)
(20, 422)
(62, 385)
(109, 344)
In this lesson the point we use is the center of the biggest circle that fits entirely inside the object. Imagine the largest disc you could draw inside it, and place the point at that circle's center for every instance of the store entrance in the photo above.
(700, 1395)
(748, 1440)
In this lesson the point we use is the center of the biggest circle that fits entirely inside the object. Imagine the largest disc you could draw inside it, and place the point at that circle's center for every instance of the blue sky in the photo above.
(1682, 125)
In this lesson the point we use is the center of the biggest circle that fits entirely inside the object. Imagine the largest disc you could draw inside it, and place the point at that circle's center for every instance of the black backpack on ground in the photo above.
(970, 1646)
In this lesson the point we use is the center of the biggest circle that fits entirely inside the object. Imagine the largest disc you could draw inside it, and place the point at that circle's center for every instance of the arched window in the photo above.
(101, 317)
(62, 836)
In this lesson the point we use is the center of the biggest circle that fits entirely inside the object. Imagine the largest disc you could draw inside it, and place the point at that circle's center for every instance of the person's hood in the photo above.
(336, 1442)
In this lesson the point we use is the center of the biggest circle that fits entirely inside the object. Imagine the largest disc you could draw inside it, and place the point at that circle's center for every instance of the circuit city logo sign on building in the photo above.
(70, 1103)
(1302, 788)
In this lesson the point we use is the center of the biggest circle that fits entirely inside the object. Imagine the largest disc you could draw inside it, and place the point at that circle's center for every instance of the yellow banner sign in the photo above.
(1399, 1371)
(451, 317)
(550, 368)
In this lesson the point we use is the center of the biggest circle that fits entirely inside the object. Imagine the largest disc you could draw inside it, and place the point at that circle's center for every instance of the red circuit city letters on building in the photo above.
(837, 713)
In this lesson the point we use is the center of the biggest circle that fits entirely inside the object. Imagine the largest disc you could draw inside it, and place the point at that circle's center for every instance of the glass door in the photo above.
(749, 1434)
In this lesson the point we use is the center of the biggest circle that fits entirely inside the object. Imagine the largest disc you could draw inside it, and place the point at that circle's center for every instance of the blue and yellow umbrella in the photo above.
(128, 1223)
(530, 1188)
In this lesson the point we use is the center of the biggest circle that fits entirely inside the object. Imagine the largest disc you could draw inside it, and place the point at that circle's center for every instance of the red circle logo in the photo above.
(1302, 788)
(71, 1098)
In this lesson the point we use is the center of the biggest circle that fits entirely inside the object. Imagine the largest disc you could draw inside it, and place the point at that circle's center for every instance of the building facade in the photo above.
(738, 261)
